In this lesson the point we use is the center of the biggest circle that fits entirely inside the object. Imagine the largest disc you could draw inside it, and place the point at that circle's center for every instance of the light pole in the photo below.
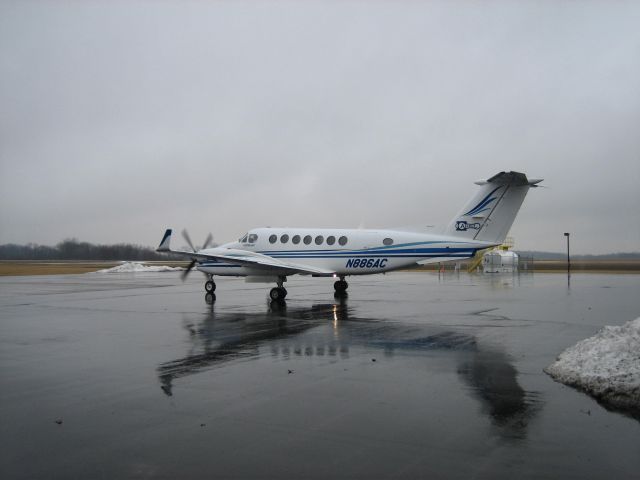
(566, 234)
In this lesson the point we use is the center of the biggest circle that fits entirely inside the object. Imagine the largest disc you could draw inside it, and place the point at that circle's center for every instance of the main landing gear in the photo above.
(278, 294)
(341, 287)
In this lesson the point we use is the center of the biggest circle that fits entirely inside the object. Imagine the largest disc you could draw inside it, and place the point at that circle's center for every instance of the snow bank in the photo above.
(606, 365)
(131, 267)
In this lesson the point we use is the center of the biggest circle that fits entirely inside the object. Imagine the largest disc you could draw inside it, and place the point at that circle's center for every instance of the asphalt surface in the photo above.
(413, 375)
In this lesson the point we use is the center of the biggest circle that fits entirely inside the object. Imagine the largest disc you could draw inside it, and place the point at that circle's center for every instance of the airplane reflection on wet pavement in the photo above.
(331, 329)
(414, 375)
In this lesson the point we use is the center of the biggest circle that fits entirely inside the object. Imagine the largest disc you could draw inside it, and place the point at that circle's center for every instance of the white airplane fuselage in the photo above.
(362, 252)
(273, 254)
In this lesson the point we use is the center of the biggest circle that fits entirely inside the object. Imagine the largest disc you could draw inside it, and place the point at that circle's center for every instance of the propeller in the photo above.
(189, 268)
(194, 261)
(208, 241)
(186, 236)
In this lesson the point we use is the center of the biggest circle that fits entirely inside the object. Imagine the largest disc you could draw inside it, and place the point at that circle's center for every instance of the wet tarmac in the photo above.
(414, 375)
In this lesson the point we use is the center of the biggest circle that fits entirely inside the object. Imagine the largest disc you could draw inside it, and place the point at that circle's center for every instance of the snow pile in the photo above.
(132, 267)
(606, 365)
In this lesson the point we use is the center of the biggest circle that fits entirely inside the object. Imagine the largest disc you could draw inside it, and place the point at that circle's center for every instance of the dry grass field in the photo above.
(617, 266)
(560, 266)
(33, 267)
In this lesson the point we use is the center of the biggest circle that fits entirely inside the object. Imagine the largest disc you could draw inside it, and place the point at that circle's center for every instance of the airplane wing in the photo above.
(252, 259)
(243, 257)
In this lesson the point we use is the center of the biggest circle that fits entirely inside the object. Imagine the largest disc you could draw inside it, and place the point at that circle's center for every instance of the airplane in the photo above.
(270, 255)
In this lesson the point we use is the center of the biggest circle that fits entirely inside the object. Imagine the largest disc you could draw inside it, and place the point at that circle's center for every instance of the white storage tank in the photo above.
(500, 261)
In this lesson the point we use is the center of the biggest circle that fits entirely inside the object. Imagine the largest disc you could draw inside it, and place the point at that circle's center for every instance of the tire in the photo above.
(210, 286)
(276, 294)
(340, 286)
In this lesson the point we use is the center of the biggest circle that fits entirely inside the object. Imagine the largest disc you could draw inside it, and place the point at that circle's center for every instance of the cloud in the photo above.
(121, 119)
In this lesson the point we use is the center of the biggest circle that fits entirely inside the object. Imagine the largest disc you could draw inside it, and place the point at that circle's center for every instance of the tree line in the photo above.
(72, 249)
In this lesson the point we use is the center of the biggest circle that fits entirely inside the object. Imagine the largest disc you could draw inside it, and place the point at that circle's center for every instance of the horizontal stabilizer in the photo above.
(515, 179)
(489, 214)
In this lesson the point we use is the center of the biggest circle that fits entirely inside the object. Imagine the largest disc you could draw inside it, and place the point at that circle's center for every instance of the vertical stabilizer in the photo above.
(165, 243)
(489, 214)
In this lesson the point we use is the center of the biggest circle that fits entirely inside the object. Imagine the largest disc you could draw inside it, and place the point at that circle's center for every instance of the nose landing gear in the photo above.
(210, 286)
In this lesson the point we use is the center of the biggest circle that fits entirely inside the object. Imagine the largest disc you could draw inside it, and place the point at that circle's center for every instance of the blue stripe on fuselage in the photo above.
(372, 252)
(390, 248)
(459, 253)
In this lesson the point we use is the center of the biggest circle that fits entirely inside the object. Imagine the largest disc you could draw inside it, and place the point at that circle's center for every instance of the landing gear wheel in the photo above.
(277, 294)
(210, 286)
(341, 286)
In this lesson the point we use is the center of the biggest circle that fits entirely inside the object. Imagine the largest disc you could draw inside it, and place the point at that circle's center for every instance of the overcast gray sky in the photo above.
(119, 119)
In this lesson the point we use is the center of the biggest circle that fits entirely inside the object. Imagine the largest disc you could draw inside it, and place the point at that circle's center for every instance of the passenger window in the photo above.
(342, 240)
(273, 238)
(388, 241)
(253, 238)
(319, 239)
(296, 239)
(331, 240)
(307, 239)
(284, 238)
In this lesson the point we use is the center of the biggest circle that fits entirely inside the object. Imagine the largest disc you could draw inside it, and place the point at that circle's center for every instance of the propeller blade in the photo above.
(208, 241)
(185, 274)
(188, 239)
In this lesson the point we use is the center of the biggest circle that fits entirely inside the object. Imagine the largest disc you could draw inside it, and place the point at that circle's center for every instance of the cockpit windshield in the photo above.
(249, 238)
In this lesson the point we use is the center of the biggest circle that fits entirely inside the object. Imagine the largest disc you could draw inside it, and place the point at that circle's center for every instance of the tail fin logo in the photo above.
(462, 226)
(482, 205)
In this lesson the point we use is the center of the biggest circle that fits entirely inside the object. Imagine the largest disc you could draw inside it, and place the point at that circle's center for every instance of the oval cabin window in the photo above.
(388, 241)
(273, 238)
